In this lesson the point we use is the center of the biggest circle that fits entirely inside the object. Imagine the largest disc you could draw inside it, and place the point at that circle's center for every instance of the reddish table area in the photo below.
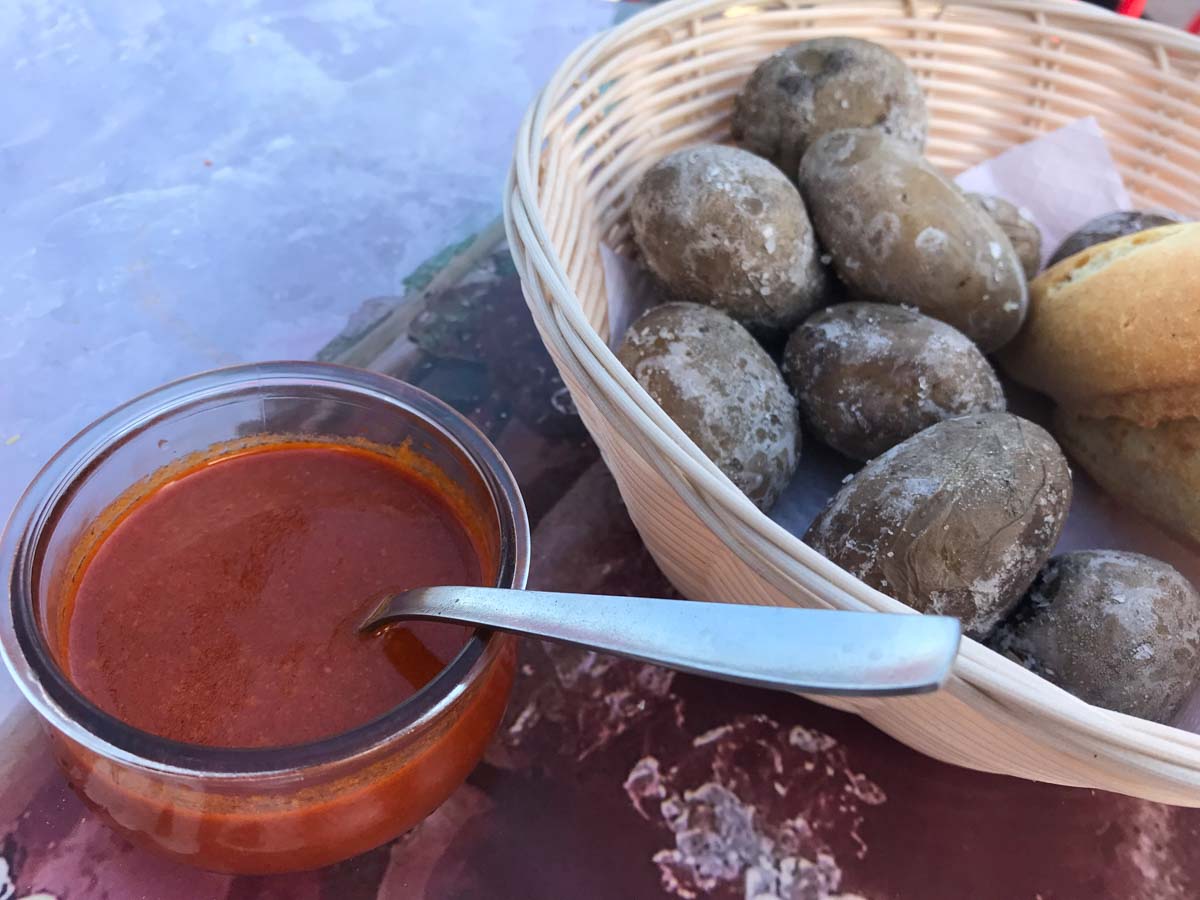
(614, 779)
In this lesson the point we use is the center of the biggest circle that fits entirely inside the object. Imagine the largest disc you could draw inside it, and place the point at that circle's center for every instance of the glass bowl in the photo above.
(273, 809)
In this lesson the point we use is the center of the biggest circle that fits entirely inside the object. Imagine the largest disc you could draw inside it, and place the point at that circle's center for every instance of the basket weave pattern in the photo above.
(995, 73)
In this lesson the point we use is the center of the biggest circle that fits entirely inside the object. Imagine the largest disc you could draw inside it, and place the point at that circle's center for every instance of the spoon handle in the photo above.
(787, 648)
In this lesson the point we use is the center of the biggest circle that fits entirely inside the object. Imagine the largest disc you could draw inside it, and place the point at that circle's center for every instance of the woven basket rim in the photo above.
(565, 326)
(672, 10)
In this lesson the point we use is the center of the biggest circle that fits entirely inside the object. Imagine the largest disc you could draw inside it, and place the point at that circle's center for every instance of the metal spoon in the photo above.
(786, 648)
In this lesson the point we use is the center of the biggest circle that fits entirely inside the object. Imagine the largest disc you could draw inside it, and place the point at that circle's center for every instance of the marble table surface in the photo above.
(190, 185)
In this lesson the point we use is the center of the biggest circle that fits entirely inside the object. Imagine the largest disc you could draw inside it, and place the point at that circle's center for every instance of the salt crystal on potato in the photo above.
(822, 85)
(720, 226)
(957, 520)
(869, 376)
(1119, 630)
(899, 232)
(722, 389)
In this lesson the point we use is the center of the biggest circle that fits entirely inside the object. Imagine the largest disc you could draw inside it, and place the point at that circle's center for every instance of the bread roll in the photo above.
(1115, 330)
(1154, 470)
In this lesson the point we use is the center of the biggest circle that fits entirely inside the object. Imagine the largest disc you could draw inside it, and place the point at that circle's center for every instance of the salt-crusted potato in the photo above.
(957, 520)
(822, 85)
(1021, 230)
(899, 232)
(718, 385)
(1119, 630)
(720, 226)
(1105, 228)
(869, 376)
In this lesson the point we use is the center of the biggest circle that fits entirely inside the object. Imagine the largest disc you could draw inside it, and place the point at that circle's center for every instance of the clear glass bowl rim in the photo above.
(64, 708)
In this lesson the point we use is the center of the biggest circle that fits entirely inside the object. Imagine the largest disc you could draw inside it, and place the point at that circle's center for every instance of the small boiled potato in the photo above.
(1107, 227)
(722, 389)
(899, 232)
(1119, 630)
(720, 226)
(869, 376)
(822, 85)
(1021, 231)
(957, 520)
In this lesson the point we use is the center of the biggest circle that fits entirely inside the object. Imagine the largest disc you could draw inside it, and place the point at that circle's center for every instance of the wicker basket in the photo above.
(996, 72)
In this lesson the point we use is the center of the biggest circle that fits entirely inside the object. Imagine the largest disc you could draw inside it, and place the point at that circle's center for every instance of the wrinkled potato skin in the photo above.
(1107, 227)
(869, 376)
(722, 389)
(1022, 233)
(957, 520)
(1118, 630)
(718, 225)
(822, 85)
(899, 232)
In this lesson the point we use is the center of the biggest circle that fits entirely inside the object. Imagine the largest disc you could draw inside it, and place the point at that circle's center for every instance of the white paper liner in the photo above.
(1061, 180)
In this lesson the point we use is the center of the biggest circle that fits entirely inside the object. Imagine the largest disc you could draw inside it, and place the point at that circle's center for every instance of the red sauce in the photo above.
(223, 608)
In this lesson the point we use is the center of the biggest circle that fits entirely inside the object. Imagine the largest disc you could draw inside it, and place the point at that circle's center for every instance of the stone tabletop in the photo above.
(190, 185)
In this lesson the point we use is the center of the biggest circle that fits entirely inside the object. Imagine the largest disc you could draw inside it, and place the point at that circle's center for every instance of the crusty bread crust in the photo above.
(1115, 330)
(1154, 470)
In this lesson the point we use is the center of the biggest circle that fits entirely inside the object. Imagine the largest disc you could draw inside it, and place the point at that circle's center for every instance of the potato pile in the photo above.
(825, 277)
